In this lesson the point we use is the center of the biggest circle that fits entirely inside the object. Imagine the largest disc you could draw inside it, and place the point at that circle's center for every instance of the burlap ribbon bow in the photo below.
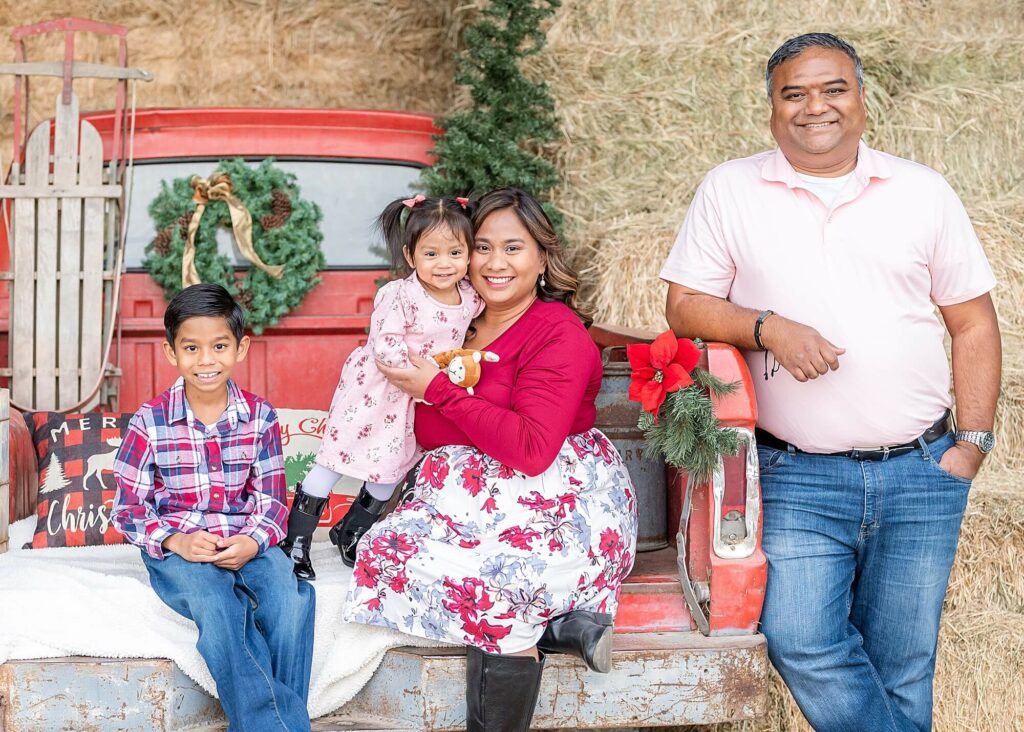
(219, 188)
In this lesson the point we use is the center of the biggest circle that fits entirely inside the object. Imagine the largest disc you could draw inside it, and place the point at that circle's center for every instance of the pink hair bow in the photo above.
(413, 202)
(462, 201)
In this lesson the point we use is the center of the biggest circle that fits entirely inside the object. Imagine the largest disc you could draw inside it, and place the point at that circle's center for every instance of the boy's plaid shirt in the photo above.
(175, 475)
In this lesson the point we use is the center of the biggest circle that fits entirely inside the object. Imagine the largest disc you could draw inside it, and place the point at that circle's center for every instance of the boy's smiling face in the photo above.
(205, 353)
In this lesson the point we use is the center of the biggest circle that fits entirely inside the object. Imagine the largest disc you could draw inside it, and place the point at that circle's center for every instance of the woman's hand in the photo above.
(413, 380)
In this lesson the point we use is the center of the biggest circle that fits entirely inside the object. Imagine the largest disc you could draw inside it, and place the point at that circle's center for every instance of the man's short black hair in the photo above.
(203, 301)
(798, 44)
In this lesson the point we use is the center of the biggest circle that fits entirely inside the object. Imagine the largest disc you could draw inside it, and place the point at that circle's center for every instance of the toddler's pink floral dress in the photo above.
(369, 432)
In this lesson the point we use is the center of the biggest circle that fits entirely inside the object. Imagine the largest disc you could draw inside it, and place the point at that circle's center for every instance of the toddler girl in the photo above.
(369, 433)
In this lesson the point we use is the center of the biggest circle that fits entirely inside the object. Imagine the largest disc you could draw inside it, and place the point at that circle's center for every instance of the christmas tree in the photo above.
(494, 143)
(54, 479)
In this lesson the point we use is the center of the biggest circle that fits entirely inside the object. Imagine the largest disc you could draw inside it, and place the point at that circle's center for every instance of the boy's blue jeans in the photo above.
(255, 633)
(859, 555)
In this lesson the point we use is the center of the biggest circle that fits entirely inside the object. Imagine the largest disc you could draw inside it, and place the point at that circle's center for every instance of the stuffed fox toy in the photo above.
(463, 365)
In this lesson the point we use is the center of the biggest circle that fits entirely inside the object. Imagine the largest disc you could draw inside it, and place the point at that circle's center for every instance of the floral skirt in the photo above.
(483, 555)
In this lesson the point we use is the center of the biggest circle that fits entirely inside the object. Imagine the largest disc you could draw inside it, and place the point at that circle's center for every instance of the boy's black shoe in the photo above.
(302, 521)
(362, 514)
(584, 634)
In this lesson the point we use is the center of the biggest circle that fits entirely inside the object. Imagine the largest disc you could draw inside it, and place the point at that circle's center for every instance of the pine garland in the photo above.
(687, 434)
(286, 230)
(496, 142)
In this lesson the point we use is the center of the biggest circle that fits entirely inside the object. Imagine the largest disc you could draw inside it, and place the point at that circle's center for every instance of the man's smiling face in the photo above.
(818, 112)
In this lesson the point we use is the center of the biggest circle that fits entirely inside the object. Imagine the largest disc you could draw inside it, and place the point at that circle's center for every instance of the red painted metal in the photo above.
(737, 585)
(651, 600)
(312, 342)
(23, 471)
(68, 26)
(295, 364)
(225, 132)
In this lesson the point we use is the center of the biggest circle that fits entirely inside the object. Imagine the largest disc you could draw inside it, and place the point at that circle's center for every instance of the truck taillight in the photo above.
(736, 493)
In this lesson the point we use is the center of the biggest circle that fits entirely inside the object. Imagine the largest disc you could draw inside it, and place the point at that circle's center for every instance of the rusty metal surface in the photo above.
(6, 505)
(606, 334)
(657, 680)
(617, 418)
(101, 695)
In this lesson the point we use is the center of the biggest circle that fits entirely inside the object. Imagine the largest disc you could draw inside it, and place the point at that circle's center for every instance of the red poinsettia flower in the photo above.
(660, 368)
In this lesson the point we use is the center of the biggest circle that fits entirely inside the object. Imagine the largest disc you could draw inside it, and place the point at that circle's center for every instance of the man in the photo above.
(824, 261)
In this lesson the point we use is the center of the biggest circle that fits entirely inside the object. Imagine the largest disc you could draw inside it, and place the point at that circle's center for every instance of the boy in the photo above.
(201, 490)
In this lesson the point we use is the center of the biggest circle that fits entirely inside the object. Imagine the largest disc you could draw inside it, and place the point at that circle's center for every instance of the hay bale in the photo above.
(380, 54)
(653, 94)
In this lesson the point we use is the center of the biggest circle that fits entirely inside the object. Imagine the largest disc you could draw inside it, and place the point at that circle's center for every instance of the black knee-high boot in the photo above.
(302, 521)
(584, 634)
(501, 691)
(362, 514)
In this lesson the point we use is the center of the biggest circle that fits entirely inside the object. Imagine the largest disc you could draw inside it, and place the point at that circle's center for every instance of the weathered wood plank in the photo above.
(23, 303)
(60, 191)
(79, 70)
(5, 485)
(37, 171)
(69, 313)
(91, 174)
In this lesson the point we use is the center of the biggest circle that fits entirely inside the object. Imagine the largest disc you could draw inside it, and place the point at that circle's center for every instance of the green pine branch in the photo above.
(687, 434)
(496, 142)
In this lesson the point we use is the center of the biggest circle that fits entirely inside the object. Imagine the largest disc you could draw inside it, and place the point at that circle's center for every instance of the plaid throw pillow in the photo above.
(76, 479)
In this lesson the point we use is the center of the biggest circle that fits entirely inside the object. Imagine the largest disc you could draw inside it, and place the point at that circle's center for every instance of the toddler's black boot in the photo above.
(362, 514)
(302, 521)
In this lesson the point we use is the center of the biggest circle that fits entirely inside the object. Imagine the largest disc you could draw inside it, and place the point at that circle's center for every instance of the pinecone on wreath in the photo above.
(244, 298)
(163, 238)
(162, 241)
(280, 210)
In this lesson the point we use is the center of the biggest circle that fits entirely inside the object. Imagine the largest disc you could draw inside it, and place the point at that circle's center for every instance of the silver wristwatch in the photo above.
(984, 441)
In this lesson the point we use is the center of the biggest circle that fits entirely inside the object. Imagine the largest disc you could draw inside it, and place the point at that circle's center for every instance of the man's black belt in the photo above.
(937, 430)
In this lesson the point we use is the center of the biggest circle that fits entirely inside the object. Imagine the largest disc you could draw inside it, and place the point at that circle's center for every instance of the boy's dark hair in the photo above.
(403, 224)
(203, 301)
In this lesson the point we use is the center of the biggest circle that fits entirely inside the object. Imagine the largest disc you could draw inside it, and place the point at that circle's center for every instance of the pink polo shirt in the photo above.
(866, 273)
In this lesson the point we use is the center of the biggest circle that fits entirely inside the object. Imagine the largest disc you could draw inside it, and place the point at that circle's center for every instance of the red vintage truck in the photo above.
(687, 650)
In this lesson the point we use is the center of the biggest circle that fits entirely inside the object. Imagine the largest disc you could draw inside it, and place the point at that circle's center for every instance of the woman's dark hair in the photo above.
(561, 281)
(203, 301)
(404, 221)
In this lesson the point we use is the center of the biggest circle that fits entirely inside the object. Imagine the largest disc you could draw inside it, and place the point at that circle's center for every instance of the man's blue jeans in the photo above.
(255, 633)
(859, 555)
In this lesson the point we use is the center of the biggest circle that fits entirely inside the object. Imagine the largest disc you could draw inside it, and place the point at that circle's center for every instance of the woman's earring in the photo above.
(542, 280)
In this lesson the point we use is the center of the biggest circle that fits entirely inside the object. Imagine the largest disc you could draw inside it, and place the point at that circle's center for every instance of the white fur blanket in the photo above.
(96, 601)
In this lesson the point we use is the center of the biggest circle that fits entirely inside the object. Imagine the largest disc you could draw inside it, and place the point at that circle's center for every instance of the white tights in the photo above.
(320, 480)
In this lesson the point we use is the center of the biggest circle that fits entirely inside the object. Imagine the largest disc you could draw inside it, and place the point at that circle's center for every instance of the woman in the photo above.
(521, 524)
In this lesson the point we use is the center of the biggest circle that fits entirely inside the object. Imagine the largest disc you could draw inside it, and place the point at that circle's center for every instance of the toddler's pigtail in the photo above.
(391, 226)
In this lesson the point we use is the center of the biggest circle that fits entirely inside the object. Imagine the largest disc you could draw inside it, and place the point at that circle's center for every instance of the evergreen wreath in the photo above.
(285, 231)
(678, 417)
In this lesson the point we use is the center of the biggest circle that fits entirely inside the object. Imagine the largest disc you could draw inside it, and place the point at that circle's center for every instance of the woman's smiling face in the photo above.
(506, 261)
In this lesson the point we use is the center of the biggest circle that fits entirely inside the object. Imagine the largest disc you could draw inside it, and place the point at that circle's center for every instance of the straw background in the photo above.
(651, 95)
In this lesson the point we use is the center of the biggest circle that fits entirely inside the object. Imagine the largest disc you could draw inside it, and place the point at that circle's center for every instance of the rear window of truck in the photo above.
(350, 193)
